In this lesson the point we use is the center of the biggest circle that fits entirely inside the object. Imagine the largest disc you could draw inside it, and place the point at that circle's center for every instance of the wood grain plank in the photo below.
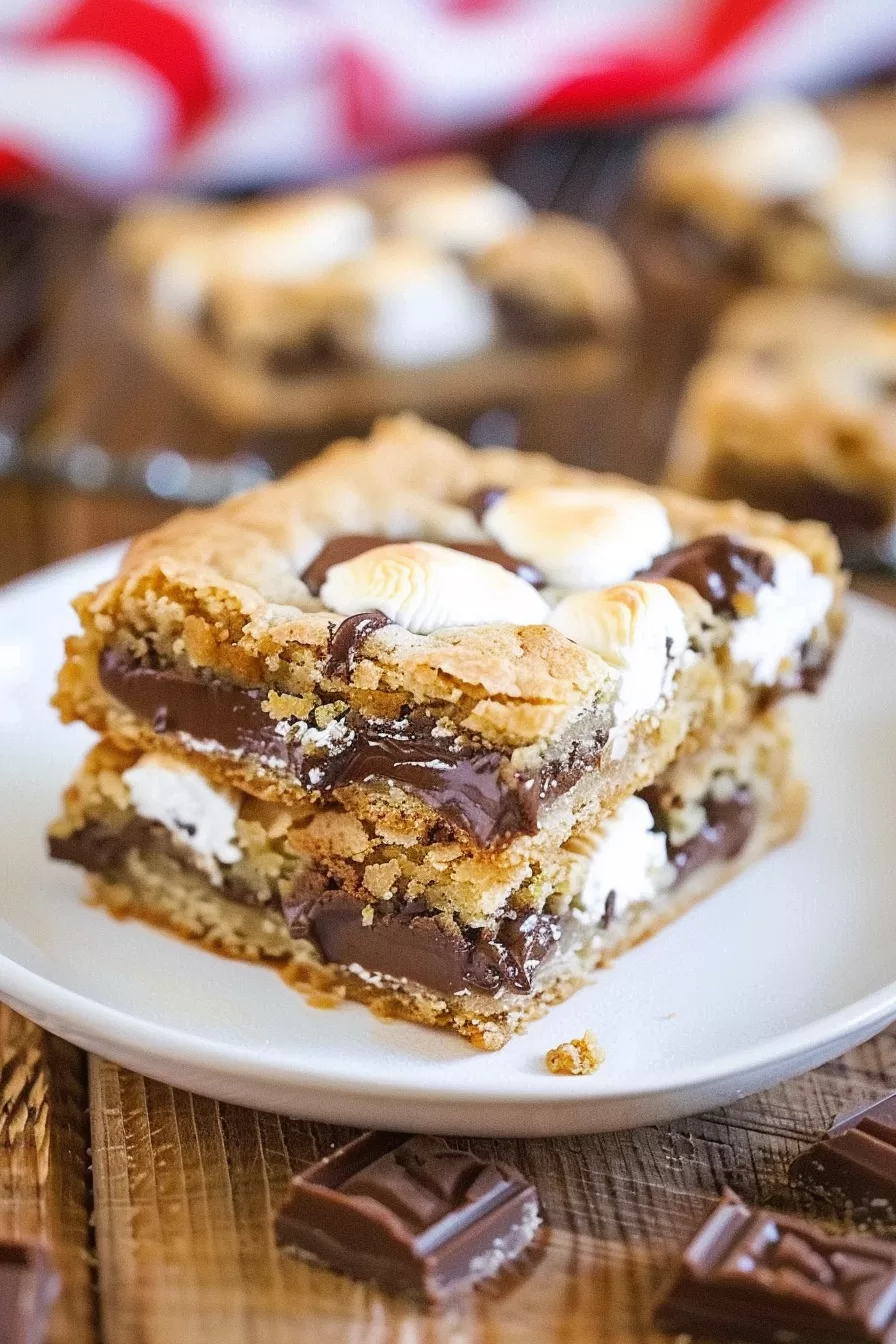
(44, 1163)
(185, 1189)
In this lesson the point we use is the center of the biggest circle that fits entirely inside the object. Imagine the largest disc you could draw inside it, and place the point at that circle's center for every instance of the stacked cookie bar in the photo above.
(442, 729)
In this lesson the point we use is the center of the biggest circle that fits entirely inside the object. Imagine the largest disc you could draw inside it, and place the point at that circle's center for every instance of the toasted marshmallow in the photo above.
(200, 816)
(639, 629)
(290, 243)
(581, 537)
(426, 587)
(859, 209)
(772, 148)
(625, 857)
(405, 306)
(787, 611)
(462, 217)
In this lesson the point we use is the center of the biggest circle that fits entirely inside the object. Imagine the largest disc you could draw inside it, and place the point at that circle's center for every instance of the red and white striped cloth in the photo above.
(113, 95)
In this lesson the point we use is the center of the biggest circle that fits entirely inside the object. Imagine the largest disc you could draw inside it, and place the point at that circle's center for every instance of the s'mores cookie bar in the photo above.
(418, 267)
(793, 409)
(370, 915)
(770, 191)
(482, 643)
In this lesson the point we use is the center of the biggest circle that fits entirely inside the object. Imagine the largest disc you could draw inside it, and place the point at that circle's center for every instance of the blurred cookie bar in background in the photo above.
(431, 285)
(794, 409)
(776, 190)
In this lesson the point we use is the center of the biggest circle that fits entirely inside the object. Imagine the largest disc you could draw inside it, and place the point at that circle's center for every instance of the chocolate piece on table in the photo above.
(857, 1155)
(28, 1288)
(750, 1274)
(410, 1214)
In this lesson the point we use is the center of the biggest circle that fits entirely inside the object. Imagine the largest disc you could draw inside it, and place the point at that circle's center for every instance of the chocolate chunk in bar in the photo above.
(410, 1214)
(28, 1289)
(754, 1275)
(719, 567)
(857, 1156)
(347, 640)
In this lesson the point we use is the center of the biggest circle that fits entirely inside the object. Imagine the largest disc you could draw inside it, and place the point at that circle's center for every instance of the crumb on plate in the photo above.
(580, 1055)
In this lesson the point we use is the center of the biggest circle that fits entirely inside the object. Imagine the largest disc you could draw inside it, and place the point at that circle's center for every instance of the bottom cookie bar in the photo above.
(227, 870)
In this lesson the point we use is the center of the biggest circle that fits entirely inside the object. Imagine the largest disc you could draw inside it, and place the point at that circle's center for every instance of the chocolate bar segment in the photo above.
(28, 1288)
(750, 1274)
(856, 1157)
(410, 1214)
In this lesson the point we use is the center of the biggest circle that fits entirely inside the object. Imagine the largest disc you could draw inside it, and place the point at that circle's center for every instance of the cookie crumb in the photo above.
(580, 1055)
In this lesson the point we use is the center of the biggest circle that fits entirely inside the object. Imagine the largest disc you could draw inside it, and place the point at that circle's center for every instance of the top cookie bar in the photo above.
(488, 636)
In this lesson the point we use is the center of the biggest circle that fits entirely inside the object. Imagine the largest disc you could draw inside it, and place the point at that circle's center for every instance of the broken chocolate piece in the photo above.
(28, 1288)
(857, 1156)
(410, 1214)
(750, 1274)
(719, 567)
(339, 549)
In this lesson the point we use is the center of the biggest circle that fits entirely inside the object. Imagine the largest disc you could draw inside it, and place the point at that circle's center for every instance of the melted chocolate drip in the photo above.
(464, 782)
(719, 567)
(339, 549)
(408, 942)
(347, 640)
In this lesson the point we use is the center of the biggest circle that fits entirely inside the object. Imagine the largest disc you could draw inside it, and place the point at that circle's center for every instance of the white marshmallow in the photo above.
(303, 243)
(627, 857)
(859, 208)
(787, 611)
(774, 147)
(462, 217)
(423, 308)
(197, 814)
(581, 537)
(639, 629)
(425, 587)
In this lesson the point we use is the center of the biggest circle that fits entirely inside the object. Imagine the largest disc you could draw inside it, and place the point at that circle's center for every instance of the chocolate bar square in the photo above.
(410, 1214)
(857, 1156)
(750, 1274)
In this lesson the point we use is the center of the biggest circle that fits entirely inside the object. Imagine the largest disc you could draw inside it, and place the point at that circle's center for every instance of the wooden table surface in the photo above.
(158, 1204)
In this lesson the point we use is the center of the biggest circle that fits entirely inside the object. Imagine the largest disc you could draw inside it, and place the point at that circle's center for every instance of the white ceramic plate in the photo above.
(790, 965)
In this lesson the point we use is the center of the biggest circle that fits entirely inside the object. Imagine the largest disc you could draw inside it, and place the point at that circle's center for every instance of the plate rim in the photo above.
(82, 1015)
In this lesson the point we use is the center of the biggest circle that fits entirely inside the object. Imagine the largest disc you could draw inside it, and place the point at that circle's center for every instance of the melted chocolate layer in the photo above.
(99, 848)
(465, 783)
(408, 942)
(348, 547)
(728, 826)
(719, 567)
